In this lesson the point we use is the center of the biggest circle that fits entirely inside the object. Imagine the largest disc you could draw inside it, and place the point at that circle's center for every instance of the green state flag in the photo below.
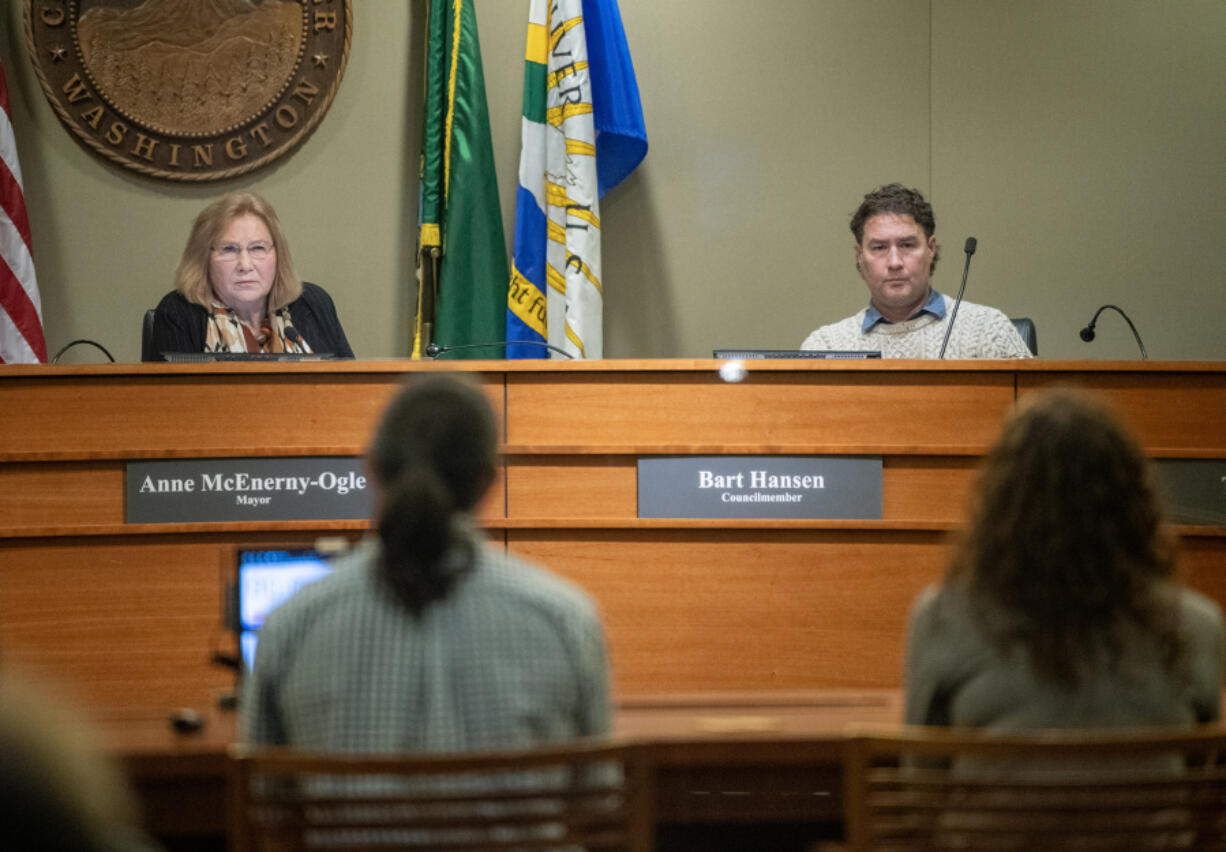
(461, 251)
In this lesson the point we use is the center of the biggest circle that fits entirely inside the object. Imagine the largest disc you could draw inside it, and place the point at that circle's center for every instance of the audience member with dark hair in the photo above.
(236, 289)
(58, 793)
(1060, 607)
(425, 639)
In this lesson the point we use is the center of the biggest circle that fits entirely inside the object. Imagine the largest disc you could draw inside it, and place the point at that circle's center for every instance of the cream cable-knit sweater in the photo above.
(979, 332)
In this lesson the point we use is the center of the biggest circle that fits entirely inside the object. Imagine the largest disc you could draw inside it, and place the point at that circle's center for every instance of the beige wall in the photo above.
(1081, 141)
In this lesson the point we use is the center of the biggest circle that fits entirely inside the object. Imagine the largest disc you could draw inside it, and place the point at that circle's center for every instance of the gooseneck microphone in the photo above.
(969, 248)
(433, 350)
(1087, 333)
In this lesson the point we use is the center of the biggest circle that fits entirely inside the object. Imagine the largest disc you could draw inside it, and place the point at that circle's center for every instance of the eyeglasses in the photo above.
(229, 252)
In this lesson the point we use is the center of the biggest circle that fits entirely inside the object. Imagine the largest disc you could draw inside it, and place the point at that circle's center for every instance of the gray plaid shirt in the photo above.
(513, 657)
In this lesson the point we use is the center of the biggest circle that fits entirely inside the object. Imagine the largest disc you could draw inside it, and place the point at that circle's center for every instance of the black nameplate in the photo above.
(265, 489)
(812, 487)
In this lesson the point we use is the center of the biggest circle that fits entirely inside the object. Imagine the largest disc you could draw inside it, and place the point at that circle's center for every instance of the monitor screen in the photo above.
(267, 577)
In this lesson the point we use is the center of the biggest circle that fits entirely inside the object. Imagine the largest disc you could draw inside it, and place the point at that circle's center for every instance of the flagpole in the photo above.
(427, 298)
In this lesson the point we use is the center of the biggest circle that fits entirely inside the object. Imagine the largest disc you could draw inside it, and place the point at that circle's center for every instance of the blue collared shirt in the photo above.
(935, 306)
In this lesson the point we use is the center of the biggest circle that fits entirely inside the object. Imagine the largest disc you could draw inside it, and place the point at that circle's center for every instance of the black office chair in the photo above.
(1030, 335)
(147, 352)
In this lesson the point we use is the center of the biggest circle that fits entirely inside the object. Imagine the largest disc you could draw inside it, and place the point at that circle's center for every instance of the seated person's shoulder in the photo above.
(178, 326)
(530, 583)
(999, 336)
(926, 599)
(321, 326)
(986, 312)
(1201, 613)
(314, 294)
(173, 301)
(937, 606)
(844, 334)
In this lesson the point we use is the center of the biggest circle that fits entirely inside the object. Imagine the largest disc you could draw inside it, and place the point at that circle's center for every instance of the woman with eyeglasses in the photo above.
(236, 289)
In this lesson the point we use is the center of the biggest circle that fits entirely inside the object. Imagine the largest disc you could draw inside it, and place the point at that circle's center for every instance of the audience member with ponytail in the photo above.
(423, 638)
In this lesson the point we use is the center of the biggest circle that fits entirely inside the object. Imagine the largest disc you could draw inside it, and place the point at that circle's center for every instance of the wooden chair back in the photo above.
(946, 789)
(580, 796)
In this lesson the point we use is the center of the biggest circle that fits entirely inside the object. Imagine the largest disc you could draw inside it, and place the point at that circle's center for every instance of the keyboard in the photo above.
(749, 354)
(208, 357)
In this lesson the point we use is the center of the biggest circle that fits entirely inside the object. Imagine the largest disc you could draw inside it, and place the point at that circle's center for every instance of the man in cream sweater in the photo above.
(896, 252)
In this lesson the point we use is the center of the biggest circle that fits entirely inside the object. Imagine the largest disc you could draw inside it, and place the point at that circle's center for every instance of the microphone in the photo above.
(1087, 333)
(434, 350)
(971, 245)
(292, 335)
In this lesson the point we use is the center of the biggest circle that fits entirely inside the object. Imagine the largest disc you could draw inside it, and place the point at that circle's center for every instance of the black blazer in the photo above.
(178, 325)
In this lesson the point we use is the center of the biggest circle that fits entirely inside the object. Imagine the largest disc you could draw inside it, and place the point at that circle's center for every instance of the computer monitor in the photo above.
(267, 577)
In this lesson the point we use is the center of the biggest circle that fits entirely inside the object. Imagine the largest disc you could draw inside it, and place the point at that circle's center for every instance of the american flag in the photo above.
(21, 313)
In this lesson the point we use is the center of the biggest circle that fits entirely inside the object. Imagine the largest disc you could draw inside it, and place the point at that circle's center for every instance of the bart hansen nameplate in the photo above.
(266, 489)
(821, 487)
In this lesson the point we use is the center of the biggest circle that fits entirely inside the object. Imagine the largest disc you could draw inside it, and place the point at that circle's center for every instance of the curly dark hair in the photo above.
(1066, 551)
(897, 199)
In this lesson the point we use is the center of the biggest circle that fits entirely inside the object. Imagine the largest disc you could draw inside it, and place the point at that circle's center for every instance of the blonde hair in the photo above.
(192, 277)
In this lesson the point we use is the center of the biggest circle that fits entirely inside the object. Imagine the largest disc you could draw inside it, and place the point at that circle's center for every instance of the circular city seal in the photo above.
(191, 90)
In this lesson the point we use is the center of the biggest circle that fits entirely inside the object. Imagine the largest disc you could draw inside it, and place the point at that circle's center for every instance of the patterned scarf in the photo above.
(226, 333)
